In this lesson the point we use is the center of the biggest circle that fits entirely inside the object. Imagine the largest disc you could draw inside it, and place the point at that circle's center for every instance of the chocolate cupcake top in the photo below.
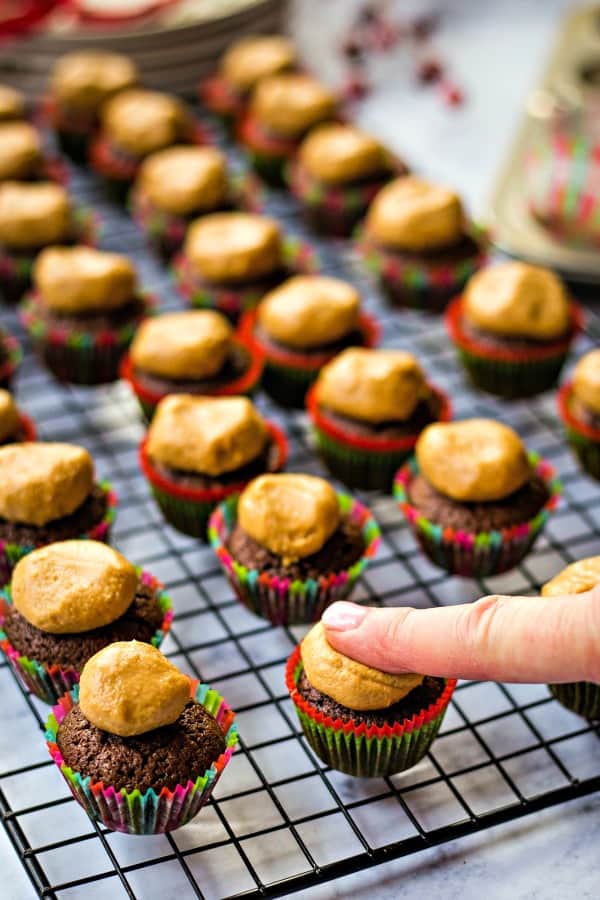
(41, 482)
(347, 681)
(141, 122)
(577, 578)
(185, 179)
(252, 58)
(73, 586)
(12, 104)
(33, 214)
(9, 415)
(192, 344)
(309, 311)
(20, 150)
(83, 80)
(130, 688)
(291, 515)
(586, 381)
(74, 280)
(515, 299)
(336, 153)
(473, 461)
(233, 246)
(206, 435)
(415, 215)
(290, 104)
(372, 385)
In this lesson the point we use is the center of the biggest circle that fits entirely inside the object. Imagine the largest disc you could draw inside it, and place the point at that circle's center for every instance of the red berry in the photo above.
(452, 94)
(429, 71)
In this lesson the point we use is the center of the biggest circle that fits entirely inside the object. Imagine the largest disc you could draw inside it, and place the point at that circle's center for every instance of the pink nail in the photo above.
(344, 616)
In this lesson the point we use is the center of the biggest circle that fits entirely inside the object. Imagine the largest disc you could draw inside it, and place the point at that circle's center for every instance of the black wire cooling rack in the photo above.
(280, 820)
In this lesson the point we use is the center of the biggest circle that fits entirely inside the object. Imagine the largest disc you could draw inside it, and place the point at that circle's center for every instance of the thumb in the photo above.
(519, 639)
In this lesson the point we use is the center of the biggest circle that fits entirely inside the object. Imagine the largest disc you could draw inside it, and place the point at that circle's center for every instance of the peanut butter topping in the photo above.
(586, 381)
(184, 345)
(83, 80)
(41, 482)
(290, 104)
(412, 214)
(130, 688)
(580, 576)
(82, 279)
(233, 246)
(348, 682)
(516, 299)
(141, 122)
(372, 385)
(310, 310)
(185, 179)
(20, 150)
(9, 415)
(291, 515)
(250, 59)
(12, 104)
(73, 586)
(473, 461)
(339, 154)
(33, 214)
(206, 435)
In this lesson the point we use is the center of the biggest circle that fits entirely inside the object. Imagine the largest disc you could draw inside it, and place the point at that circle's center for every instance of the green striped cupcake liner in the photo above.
(365, 470)
(581, 697)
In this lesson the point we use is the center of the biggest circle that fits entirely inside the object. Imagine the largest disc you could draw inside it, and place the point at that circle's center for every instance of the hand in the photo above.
(519, 639)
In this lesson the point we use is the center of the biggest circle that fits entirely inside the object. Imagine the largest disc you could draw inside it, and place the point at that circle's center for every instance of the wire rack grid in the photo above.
(280, 820)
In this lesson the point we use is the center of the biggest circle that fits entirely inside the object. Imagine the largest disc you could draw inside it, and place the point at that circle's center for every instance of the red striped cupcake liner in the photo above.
(221, 99)
(268, 153)
(583, 439)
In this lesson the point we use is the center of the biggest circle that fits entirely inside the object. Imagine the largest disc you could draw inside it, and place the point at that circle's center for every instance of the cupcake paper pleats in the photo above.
(584, 440)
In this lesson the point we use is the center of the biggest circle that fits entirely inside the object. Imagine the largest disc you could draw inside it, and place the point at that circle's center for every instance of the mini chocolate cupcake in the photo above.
(230, 260)
(80, 83)
(338, 171)
(200, 450)
(417, 241)
(47, 494)
(48, 635)
(513, 328)
(22, 156)
(140, 745)
(192, 352)
(10, 357)
(246, 62)
(282, 110)
(474, 498)
(300, 326)
(289, 546)
(579, 407)
(15, 426)
(582, 697)
(360, 720)
(13, 106)
(367, 410)
(83, 312)
(33, 216)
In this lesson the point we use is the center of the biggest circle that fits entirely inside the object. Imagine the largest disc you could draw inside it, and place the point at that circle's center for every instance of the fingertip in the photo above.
(343, 616)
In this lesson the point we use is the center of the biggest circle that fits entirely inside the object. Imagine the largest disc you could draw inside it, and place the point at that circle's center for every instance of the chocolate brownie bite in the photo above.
(475, 499)
(367, 409)
(513, 328)
(66, 602)
(137, 726)
(579, 408)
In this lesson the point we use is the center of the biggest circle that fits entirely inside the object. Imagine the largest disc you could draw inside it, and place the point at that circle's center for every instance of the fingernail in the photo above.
(344, 616)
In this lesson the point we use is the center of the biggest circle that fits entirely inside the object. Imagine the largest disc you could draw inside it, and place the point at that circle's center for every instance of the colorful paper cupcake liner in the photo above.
(267, 154)
(189, 509)
(220, 99)
(299, 257)
(11, 553)
(481, 554)
(361, 462)
(76, 355)
(154, 811)
(509, 372)
(581, 697)
(72, 131)
(13, 355)
(27, 428)
(49, 683)
(366, 751)
(281, 600)
(288, 374)
(584, 440)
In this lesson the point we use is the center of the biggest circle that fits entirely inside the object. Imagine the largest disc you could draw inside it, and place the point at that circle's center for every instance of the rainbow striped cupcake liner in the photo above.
(281, 600)
(481, 554)
(581, 697)
(154, 811)
(49, 683)
(13, 356)
(366, 751)
(11, 553)
(583, 440)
